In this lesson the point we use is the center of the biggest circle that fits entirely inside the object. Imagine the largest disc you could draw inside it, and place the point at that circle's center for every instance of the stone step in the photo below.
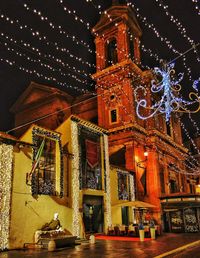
(33, 246)
(60, 242)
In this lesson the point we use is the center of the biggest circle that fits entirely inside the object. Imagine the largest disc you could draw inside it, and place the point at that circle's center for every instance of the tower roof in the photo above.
(115, 14)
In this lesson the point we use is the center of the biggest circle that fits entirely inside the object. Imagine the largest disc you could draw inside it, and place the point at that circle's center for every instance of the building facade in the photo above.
(85, 169)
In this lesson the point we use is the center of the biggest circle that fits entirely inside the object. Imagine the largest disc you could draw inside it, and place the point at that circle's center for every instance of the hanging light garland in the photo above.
(75, 179)
(108, 191)
(169, 101)
(194, 124)
(57, 27)
(40, 75)
(196, 6)
(47, 57)
(75, 16)
(6, 161)
(38, 34)
(178, 25)
(43, 38)
(158, 35)
(40, 63)
(190, 161)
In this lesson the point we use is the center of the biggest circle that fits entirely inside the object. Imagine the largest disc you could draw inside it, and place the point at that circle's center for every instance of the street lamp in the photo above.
(143, 177)
(142, 161)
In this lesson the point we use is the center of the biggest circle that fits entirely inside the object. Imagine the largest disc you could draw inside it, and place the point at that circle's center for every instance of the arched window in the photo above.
(111, 57)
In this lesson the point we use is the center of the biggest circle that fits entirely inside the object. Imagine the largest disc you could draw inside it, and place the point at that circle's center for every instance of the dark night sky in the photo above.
(13, 81)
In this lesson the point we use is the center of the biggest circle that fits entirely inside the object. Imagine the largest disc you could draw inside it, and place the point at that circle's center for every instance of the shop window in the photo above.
(45, 172)
(113, 116)
(111, 48)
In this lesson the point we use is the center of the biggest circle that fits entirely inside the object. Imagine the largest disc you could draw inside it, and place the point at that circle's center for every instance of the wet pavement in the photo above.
(113, 249)
(193, 252)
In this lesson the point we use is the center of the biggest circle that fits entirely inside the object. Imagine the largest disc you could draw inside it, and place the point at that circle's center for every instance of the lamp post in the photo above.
(139, 164)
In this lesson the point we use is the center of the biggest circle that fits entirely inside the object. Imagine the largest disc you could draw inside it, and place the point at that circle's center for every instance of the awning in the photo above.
(134, 204)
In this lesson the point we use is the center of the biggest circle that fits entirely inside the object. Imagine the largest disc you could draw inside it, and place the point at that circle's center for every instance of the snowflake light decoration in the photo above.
(168, 89)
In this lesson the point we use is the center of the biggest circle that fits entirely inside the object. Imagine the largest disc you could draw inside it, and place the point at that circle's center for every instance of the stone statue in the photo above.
(53, 224)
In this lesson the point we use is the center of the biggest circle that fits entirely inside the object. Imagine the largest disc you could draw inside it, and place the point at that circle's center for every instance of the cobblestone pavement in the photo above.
(113, 249)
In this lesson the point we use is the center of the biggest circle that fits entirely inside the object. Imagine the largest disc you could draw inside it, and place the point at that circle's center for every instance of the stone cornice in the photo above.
(117, 68)
(88, 124)
(168, 140)
(129, 126)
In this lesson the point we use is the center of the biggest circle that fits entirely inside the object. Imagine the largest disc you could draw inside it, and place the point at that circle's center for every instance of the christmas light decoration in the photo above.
(43, 38)
(40, 63)
(191, 140)
(108, 193)
(75, 16)
(47, 57)
(75, 179)
(179, 26)
(194, 124)
(132, 187)
(6, 161)
(170, 101)
(158, 35)
(196, 6)
(190, 161)
(58, 27)
(40, 75)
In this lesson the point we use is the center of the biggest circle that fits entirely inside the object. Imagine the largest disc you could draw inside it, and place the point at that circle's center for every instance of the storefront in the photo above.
(181, 213)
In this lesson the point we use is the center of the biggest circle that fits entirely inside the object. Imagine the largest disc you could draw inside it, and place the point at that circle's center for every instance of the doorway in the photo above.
(125, 219)
(93, 217)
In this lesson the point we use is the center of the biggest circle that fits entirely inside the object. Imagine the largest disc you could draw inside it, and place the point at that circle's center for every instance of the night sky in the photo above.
(22, 23)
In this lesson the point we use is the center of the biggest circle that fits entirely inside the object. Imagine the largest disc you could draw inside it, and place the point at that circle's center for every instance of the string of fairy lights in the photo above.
(45, 18)
(69, 11)
(37, 33)
(40, 63)
(192, 165)
(34, 11)
(196, 6)
(163, 39)
(179, 25)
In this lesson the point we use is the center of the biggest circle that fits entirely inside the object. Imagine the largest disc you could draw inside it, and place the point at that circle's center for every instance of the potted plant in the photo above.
(152, 229)
(141, 231)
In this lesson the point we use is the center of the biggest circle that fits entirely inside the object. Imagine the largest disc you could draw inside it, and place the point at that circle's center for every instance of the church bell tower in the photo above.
(117, 37)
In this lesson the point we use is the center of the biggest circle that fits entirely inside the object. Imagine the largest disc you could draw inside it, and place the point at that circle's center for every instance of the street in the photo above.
(122, 249)
(193, 252)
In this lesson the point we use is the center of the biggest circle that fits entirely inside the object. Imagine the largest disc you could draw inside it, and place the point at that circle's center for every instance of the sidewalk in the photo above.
(112, 248)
